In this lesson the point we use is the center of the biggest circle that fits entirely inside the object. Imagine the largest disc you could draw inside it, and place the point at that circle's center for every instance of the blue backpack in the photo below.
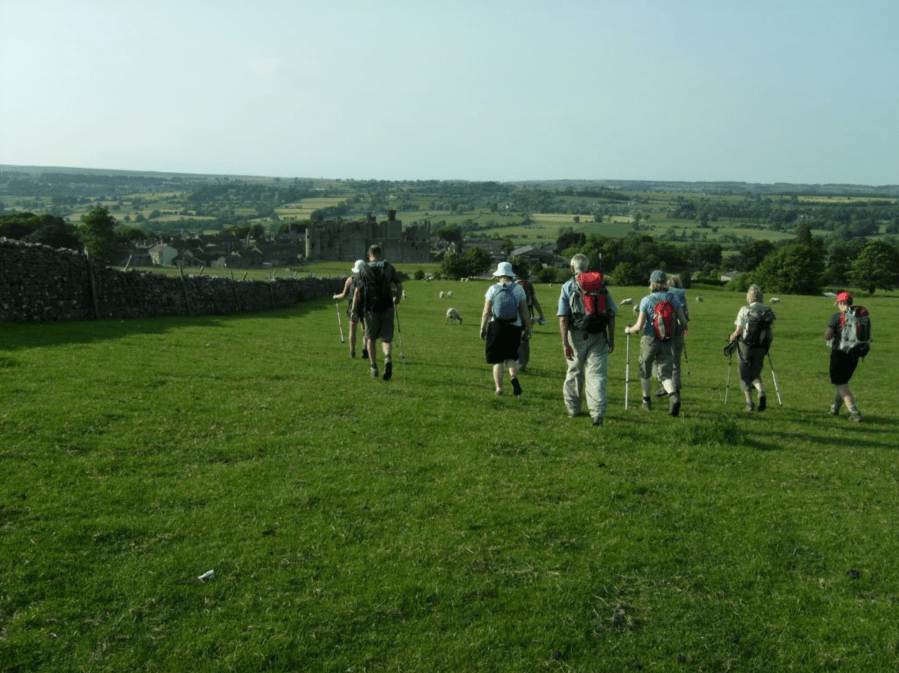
(505, 305)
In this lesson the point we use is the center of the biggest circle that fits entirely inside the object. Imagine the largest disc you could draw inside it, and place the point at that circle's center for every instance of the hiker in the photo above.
(375, 300)
(503, 321)
(353, 317)
(753, 335)
(586, 349)
(843, 357)
(676, 287)
(661, 315)
(524, 350)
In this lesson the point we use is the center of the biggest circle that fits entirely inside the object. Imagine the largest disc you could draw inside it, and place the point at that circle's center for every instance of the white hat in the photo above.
(358, 267)
(504, 269)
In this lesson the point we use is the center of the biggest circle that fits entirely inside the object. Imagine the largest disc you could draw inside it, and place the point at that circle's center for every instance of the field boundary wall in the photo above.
(40, 283)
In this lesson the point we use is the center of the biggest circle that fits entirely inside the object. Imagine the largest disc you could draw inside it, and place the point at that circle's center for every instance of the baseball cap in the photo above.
(844, 296)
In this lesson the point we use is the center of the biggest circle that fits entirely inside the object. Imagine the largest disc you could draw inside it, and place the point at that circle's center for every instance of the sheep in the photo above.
(452, 315)
(775, 300)
(629, 300)
(698, 298)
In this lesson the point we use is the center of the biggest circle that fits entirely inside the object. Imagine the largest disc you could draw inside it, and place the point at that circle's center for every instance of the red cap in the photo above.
(844, 297)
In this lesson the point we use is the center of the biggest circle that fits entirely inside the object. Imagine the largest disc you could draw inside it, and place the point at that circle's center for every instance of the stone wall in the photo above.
(40, 283)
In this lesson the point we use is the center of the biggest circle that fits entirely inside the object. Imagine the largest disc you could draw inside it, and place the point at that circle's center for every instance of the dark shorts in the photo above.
(842, 367)
(503, 340)
(379, 325)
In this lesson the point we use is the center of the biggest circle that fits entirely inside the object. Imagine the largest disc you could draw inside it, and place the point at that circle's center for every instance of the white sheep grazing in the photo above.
(629, 300)
(775, 300)
(442, 294)
(698, 298)
(452, 315)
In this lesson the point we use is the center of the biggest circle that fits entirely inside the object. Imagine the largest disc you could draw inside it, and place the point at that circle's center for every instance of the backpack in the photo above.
(528, 292)
(374, 280)
(855, 331)
(591, 310)
(664, 320)
(505, 305)
(757, 323)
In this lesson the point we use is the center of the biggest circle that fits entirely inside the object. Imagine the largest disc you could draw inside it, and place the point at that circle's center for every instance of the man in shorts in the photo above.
(375, 299)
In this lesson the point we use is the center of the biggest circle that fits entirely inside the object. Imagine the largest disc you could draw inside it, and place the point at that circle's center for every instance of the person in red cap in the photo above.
(842, 365)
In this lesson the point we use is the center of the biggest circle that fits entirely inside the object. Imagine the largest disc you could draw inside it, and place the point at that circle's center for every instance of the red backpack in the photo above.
(664, 320)
(591, 310)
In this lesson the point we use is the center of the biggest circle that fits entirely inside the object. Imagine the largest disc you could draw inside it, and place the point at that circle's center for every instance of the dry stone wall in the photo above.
(40, 283)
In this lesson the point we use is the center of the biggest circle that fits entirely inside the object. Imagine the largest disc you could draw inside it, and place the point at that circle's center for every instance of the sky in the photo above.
(759, 91)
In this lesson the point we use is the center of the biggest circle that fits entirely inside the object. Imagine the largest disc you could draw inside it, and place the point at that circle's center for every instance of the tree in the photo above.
(875, 267)
(97, 233)
(792, 269)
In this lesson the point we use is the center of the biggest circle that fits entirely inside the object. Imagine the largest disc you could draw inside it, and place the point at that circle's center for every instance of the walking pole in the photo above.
(339, 324)
(730, 361)
(627, 370)
(399, 331)
(686, 359)
(774, 376)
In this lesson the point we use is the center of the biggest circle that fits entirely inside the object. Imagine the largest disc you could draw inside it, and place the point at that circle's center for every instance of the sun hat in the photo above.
(358, 267)
(658, 276)
(504, 269)
(844, 297)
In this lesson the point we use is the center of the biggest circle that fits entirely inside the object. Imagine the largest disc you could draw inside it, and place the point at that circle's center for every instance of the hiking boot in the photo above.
(374, 372)
(750, 407)
(763, 402)
(516, 386)
(674, 405)
(855, 417)
(597, 420)
(388, 371)
(647, 403)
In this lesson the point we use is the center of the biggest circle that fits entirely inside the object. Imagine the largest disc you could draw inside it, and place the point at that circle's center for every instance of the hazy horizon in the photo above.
(770, 92)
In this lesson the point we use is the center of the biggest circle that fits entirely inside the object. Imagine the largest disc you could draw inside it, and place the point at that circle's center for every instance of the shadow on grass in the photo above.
(40, 334)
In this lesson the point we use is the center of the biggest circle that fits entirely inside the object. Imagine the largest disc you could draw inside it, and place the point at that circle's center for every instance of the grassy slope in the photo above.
(424, 524)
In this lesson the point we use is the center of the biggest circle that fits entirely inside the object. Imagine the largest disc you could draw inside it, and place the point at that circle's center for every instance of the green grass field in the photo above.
(424, 524)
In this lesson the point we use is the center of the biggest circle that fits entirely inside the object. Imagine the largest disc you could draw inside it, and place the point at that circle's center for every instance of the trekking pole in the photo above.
(774, 376)
(339, 324)
(686, 359)
(730, 361)
(627, 370)
(399, 331)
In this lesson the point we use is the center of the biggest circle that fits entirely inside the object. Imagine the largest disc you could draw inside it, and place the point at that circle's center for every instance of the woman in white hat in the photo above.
(353, 318)
(502, 323)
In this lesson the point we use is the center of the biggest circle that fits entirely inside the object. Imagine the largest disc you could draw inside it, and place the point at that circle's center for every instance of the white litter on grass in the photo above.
(208, 575)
